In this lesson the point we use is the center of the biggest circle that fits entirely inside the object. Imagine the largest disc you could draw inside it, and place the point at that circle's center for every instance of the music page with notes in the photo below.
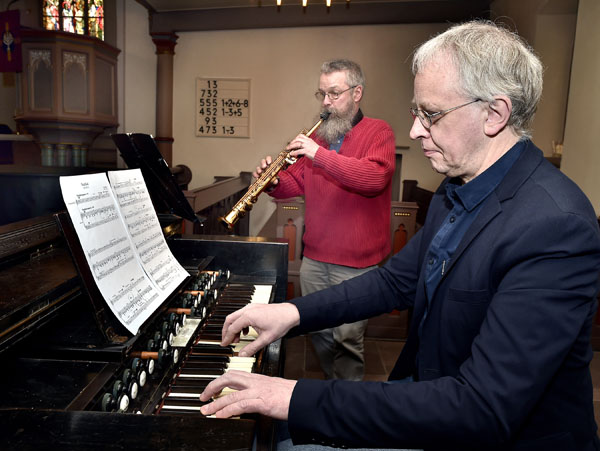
(123, 242)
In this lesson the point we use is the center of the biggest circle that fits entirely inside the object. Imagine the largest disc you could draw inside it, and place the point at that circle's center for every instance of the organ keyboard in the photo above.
(65, 386)
(74, 378)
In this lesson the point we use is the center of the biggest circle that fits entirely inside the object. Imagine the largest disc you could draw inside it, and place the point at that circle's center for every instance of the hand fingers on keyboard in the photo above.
(230, 331)
(254, 346)
(240, 393)
(232, 379)
(240, 407)
(251, 393)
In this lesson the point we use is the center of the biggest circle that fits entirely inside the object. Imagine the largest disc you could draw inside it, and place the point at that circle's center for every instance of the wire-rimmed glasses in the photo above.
(428, 119)
(320, 95)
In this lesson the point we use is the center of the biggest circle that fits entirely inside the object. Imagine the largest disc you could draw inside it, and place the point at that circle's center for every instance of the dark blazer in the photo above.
(502, 357)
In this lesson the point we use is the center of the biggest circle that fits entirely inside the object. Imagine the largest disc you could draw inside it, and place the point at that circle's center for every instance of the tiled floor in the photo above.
(380, 354)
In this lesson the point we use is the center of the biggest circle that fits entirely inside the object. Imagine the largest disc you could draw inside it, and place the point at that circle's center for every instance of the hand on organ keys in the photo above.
(236, 392)
(251, 393)
(206, 361)
(202, 371)
(269, 321)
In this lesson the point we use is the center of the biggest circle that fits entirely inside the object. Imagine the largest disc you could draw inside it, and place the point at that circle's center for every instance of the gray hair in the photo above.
(490, 60)
(354, 74)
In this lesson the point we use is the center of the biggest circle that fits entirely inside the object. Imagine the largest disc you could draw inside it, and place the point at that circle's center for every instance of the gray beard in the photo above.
(334, 128)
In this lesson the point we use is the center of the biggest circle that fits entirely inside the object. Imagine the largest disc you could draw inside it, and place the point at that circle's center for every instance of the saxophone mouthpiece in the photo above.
(324, 115)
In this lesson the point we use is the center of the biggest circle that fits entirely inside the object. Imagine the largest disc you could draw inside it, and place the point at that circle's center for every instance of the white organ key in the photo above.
(242, 366)
(238, 359)
(176, 407)
(184, 395)
(262, 294)
(202, 376)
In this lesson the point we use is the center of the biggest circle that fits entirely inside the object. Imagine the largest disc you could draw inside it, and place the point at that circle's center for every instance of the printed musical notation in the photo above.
(123, 242)
(150, 252)
(144, 228)
(93, 198)
(130, 192)
(93, 252)
(133, 300)
(160, 271)
(106, 266)
(95, 217)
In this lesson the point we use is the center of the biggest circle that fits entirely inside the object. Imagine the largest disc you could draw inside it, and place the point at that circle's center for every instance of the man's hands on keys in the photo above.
(248, 392)
(302, 145)
(264, 163)
(271, 321)
(255, 393)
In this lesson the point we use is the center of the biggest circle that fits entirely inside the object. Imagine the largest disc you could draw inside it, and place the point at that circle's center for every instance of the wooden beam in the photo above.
(424, 11)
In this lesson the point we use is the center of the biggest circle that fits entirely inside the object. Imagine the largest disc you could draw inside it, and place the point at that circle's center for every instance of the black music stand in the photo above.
(139, 151)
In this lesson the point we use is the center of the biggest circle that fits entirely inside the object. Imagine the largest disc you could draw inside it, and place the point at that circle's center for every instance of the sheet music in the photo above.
(142, 223)
(110, 250)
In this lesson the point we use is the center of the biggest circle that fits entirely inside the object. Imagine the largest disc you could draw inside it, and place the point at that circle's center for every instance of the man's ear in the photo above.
(499, 112)
(357, 94)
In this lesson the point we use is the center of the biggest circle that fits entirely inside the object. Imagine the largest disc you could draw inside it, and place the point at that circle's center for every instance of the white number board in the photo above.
(223, 107)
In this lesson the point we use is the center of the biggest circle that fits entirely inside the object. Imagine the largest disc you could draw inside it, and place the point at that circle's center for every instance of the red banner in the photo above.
(10, 54)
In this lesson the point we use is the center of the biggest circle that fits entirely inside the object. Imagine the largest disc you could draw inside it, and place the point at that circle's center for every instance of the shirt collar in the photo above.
(473, 193)
(357, 117)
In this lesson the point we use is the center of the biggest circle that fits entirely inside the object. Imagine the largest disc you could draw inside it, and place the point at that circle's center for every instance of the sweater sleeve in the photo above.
(291, 181)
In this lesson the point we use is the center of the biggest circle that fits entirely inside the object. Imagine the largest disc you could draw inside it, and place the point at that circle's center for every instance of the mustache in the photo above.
(333, 113)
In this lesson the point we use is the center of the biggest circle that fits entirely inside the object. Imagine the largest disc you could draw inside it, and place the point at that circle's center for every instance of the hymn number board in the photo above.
(223, 107)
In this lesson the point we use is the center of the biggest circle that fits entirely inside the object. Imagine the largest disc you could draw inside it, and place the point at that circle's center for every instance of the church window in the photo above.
(74, 16)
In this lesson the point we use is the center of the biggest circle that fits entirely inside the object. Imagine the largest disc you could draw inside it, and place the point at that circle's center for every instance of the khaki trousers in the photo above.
(340, 349)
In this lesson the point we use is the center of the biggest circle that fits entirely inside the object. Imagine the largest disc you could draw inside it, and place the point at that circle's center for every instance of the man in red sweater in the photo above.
(345, 179)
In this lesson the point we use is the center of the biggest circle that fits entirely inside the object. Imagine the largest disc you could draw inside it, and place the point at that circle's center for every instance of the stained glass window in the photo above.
(75, 16)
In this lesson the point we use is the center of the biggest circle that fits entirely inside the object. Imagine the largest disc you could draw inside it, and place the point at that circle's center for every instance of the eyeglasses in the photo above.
(320, 95)
(427, 119)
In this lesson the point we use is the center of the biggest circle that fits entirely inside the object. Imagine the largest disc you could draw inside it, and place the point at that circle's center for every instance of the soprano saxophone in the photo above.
(282, 161)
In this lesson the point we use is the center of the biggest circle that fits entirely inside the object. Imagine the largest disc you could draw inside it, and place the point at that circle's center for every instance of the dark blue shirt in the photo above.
(466, 201)
(337, 145)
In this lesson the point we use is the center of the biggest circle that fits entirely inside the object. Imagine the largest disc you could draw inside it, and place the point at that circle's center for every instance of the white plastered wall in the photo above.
(581, 154)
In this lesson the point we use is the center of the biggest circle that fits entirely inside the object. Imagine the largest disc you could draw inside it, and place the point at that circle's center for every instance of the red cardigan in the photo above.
(347, 196)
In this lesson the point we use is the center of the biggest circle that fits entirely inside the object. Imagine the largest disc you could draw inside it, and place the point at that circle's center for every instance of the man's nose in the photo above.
(417, 130)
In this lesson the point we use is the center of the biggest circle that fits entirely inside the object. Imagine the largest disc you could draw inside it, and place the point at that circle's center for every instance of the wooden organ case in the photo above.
(74, 378)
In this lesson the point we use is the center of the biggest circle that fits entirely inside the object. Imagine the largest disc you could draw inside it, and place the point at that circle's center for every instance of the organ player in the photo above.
(502, 277)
